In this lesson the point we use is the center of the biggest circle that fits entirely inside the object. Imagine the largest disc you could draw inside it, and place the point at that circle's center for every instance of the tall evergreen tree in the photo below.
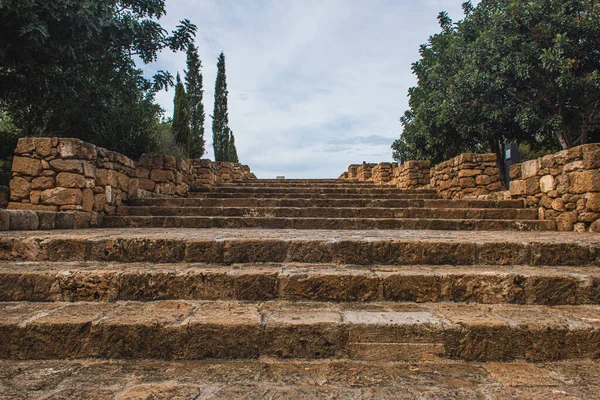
(232, 151)
(220, 124)
(181, 117)
(195, 93)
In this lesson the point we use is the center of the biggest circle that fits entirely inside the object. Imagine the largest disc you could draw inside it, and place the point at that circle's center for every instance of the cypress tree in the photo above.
(195, 93)
(181, 117)
(232, 151)
(220, 124)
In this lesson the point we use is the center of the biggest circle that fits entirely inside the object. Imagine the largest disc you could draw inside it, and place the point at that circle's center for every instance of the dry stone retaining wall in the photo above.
(413, 175)
(564, 186)
(466, 176)
(55, 175)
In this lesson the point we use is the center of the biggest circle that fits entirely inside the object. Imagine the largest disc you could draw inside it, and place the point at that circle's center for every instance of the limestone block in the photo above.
(74, 166)
(27, 166)
(142, 172)
(100, 202)
(482, 180)
(70, 180)
(591, 156)
(43, 182)
(558, 205)
(530, 168)
(23, 220)
(19, 188)
(547, 183)
(25, 146)
(89, 170)
(43, 146)
(169, 162)
(87, 203)
(161, 175)
(34, 196)
(467, 182)
(4, 220)
(595, 226)
(566, 221)
(593, 202)
(69, 148)
(573, 166)
(468, 173)
(61, 196)
(585, 181)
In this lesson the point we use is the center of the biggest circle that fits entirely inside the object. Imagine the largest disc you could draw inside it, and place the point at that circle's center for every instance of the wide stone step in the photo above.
(278, 184)
(296, 379)
(229, 329)
(318, 190)
(325, 223)
(97, 281)
(233, 246)
(314, 202)
(331, 212)
(305, 195)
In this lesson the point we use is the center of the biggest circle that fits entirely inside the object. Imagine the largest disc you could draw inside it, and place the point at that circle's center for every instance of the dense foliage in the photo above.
(195, 94)
(525, 71)
(220, 123)
(181, 117)
(67, 69)
(232, 151)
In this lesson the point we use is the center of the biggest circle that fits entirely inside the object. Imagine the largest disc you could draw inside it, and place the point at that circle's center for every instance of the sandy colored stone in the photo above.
(161, 175)
(44, 182)
(585, 181)
(547, 183)
(61, 196)
(69, 180)
(19, 188)
(74, 166)
(26, 166)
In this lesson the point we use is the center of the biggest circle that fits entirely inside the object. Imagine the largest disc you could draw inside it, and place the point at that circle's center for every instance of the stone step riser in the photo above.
(193, 330)
(307, 185)
(304, 195)
(317, 190)
(108, 284)
(129, 248)
(329, 203)
(325, 223)
(330, 212)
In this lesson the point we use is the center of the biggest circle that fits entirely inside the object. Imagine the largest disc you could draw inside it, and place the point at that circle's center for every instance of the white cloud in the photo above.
(310, 81)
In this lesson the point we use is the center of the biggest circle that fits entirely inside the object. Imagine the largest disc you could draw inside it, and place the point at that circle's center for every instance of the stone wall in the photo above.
(564, 186)
(383, 173)
(413, 175)
(69, 175)
(466, 176)
(365, 172)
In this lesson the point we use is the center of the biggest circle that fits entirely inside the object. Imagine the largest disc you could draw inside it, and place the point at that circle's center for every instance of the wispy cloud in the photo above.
(315, 85)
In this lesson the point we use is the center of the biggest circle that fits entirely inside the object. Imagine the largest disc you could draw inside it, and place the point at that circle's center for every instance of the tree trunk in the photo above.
(585, 129)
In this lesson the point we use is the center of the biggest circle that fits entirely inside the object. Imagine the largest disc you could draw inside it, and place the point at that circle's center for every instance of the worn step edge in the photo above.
(326, 223)
(297, 282)
(338, 212)
(284, 246)
(399, 196)
(198, 330)
(326, 203)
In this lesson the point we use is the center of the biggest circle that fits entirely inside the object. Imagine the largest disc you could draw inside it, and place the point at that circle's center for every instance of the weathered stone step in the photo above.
(318, 190)
(278, 202)
(228, 329)
(297, 379)
(275, 183)
(325, 223)
(331, 212)
(96, 281)
(302, 195)
(375, 247)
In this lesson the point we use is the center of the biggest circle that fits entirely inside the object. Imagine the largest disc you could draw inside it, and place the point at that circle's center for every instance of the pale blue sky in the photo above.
(314, 85)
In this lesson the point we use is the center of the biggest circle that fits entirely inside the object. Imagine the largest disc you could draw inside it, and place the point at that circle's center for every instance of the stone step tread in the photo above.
(363, 247)
(101, 281)
(308, 223)
(338, 212)
(382, 196)
(231, 329)
(297, 379)
(304, 203)
(312, 189)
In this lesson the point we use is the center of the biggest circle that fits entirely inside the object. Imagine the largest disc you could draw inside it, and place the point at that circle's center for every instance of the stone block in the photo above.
(585, 181)
(547, 183)
(530, 168)
(27, 166)
(62, 196)
(43, 146)
(593, 202)
(161, 175)
(566, 221)
(43, 182)
(23, 220)
(19, 188)
(482, 180)
(25, 146)
(89, 170)
(146, 184)
(591, 156)
(74, 166)
(467, 182)
(518, 188)
(47, 219)
(64, 220)
(34, 196)
(4, 220)
(87, 202)
(70, 180)
(464, 173)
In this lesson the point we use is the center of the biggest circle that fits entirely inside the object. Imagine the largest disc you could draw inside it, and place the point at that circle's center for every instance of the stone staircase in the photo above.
(424, 297)
(325, 204)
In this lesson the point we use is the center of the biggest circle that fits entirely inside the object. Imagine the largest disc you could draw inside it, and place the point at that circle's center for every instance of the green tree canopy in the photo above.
(220, 124)
(195, 92)
(67, 68)
(232, 151)
(509, 71)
